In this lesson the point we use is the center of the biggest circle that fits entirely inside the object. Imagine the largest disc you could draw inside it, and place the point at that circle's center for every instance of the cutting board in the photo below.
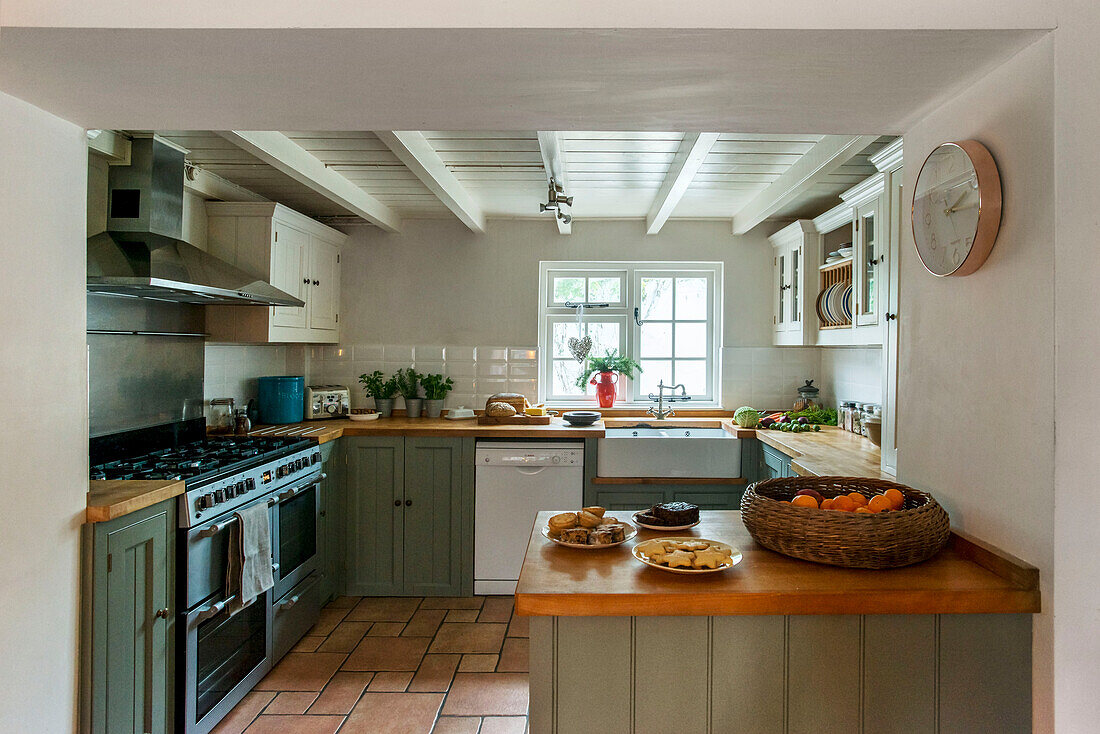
(513, 420)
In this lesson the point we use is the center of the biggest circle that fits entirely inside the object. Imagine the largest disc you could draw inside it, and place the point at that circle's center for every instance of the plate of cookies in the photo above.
(590, 528)
(687, 555)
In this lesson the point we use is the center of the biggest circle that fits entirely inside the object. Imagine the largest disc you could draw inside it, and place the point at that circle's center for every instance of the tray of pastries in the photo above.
(590, 528)
(669, 516)
(687, 555)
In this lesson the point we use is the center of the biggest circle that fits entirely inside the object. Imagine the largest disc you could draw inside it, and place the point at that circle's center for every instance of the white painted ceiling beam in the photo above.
(552, 147)
(108, 144)
(827, 155)
(689, 157)
(418, 155)
(212, 186)
(283, 154)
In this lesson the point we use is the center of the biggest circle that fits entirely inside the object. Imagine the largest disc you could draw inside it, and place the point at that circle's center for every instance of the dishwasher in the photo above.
(513, 481)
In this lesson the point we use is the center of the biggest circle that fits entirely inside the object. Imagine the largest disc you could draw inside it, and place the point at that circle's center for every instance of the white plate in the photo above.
(630, 533)
(836, 301)
(845, 251)
(636, 551)
(662, 527)
(364, 416)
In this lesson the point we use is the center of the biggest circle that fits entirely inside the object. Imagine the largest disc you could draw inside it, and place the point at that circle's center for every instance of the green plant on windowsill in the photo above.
(610, 362)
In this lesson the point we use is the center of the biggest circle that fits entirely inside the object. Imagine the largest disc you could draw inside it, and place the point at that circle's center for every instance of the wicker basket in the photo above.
(856, 540)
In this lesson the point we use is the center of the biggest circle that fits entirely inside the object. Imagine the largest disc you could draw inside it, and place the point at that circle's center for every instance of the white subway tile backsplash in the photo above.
(461, 354)
(429, 368)
(337, 354)
(368, 352)
(460, 369)
(427, 353)
(492, 369)
(398, 353)
(528, 388)
(516, 354)
(492, 353)
(464, 385)
(523, 370)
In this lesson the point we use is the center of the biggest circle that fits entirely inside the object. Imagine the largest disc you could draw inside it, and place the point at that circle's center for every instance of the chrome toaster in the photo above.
(327, 401)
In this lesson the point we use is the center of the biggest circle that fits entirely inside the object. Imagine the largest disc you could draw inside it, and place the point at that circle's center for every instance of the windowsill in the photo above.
(686, 405)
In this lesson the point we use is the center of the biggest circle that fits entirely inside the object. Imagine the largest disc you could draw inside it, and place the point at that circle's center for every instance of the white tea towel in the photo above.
(249, 573)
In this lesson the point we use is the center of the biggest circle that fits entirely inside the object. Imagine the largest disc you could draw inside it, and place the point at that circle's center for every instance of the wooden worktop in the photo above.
(966, 577)
(831, 452)
(329, 430)
(111, 498)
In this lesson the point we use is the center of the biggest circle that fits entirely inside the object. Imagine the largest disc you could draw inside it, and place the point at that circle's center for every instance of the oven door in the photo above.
(295, 532)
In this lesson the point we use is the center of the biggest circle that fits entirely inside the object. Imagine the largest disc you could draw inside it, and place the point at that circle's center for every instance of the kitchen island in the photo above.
(776, 644)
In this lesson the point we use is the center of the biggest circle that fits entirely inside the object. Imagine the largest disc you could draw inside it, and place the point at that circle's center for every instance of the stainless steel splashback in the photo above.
(145, 363)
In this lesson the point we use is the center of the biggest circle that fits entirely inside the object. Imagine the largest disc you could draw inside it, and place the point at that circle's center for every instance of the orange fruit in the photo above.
(786, 502)
(880, 503)
(827, 504)
(858, 498)
(804, 500)
(897, 499)
(844, 503)
(865, 510)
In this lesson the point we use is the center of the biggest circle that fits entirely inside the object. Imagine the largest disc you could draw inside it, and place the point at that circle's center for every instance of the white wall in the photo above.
(976, 363)
(851, 373)
(43, 452)
(438, 286)
(1077, 340)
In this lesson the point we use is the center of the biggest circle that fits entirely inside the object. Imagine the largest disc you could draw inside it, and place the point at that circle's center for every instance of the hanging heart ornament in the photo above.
(580, 347)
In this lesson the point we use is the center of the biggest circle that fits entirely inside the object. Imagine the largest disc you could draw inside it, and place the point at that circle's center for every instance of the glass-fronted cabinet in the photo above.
(790, 283)
(871, 259)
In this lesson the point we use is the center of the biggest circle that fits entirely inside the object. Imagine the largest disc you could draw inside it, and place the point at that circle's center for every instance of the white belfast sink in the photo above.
(669, 452)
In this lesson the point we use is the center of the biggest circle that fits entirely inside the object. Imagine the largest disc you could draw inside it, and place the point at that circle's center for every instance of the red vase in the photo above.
(605, 388)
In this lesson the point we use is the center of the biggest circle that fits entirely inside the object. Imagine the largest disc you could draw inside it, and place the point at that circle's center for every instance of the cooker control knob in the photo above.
(249, 484)
(316, 458)
(298, 465)
(219, 496)
(206, 501)
(241, 489)
(230, 491)
(280, 472)
(556, 460)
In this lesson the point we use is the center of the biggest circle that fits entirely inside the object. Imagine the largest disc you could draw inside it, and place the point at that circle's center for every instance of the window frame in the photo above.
(630, 394)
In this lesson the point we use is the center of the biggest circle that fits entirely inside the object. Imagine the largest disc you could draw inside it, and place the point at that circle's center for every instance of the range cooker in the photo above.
(223, 653)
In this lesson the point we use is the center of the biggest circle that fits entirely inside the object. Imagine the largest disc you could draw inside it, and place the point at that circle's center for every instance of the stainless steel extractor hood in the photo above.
(141, 253)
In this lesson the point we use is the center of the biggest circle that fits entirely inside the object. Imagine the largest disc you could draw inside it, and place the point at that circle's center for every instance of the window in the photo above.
(675, 335)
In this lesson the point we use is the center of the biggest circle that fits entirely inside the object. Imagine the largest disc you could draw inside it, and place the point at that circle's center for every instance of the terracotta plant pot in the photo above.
(605, 383)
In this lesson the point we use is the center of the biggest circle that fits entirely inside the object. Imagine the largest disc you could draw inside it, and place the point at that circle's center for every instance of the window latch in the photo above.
(637, 316)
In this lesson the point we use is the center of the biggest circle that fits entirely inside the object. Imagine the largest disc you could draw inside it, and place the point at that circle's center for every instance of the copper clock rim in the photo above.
(989, 212)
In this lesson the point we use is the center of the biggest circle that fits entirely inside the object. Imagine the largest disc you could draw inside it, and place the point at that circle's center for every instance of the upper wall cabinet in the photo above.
(295, 254)
(795, 247)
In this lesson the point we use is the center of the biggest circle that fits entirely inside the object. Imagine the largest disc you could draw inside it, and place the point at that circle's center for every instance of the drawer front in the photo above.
(711, 500)
(294, 614)
(631, 500)
(776, 464)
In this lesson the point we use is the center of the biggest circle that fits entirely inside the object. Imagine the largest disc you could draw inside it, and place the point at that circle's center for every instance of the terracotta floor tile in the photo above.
(237, 720)
(290, 702)
(341, 693)
(393, 713)
(387, 653)
(468, 637)
(513, 656)
(457, 725)
(295, 725)
(386, 629)
(452, 602)
(424, 623)
(309, 643)
(390, 682)
(328, 620)
(519, 626)
(503, 725)
(384, 609)
(345, 637)
(435, 673)
(478, 663)
(461, 615)
(487, 694)
(343, 602)
(496, 609)
(302, 671)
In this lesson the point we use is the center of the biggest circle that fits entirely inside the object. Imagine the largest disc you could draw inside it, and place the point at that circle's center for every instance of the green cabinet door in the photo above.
(774, 464)
(128, 623)
(434, 517)
(373, 525)
(330, 523)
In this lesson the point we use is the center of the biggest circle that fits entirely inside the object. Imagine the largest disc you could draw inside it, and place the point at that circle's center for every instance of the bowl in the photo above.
(581, 417)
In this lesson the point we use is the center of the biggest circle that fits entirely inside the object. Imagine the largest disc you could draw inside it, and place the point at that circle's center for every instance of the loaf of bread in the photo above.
(499, 410)
(517, 401)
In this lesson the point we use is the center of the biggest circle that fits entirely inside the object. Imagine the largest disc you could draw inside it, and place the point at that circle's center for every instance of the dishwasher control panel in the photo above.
(534, 457)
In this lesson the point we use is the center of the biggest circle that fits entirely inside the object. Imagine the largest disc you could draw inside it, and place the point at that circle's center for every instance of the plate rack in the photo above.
(831, 274)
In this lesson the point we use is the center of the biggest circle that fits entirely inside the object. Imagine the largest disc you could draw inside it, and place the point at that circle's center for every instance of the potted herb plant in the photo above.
(408, 384)
(436, 388)
(383, 391)
(604, 372)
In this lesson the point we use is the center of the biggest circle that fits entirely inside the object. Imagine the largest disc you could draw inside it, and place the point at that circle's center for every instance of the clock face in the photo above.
(952, 210)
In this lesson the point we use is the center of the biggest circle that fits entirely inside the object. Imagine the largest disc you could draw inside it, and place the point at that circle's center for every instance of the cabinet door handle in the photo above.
(397, 503)
(891, 316)
(316, 282)
(306, 281)
(408, 503)
(161, 613)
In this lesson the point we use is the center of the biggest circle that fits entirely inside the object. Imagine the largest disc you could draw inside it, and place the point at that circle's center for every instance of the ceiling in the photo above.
(609, 174)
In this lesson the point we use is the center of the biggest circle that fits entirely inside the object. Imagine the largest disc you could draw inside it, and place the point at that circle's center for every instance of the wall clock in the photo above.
(956, 208)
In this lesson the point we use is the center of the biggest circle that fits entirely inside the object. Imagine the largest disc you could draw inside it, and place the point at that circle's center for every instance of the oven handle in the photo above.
(213, 610)
(215, 528)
